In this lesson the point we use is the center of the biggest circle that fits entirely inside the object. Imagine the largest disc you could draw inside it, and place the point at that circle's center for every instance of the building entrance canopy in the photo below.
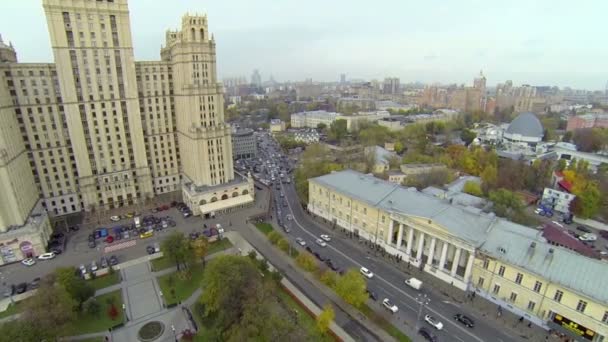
(225, 204)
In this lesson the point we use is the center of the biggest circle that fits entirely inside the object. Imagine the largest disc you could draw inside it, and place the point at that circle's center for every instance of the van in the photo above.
(137, 221)
(414, 283)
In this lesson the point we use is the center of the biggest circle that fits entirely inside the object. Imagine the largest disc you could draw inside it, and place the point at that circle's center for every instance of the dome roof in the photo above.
(526, 124)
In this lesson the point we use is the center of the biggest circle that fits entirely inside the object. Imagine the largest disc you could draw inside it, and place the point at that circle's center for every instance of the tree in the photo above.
(467, 136)
(78, 289)
(588, 200)
(325, 318)
(337, 130)
(91, 306)
(329, 278)
(321, 126)
(591, 139)
(508, 204)
(51, 310)
(398, 147)
(567, 136)
(472, 188)
(489, 176)
(200, 247)
(351, 287)
(394, 162)
(177, 248)
(561, 165)
(283, 245)
(274, 237)
(307, 262)
(433, 178)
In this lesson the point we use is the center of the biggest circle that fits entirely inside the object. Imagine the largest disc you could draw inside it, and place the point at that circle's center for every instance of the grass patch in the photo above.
(105, 281)
(13, 308)
(87, 323)
(264, 227)
(182, 287)
(219, 246)
(161, 264)
(305, 320)
(384, 324)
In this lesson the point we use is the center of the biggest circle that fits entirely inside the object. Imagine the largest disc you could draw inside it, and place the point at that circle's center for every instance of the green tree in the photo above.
(337, 130)
(51, 310)
(467, 136)
(307, 262)
(329, 278)
(588, 200)
(177, 248)
(274, 237)
(567, 136)
(561, 165)
(394, 162)
(351, 287)
(283, 245)
(77, 288)
(200, 247)
(321, 126)
(325, 318)
(91, 306)
(489, 176)
(472, 188)
(399, 147)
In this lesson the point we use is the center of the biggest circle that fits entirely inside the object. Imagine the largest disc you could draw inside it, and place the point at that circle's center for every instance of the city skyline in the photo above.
(435, 42)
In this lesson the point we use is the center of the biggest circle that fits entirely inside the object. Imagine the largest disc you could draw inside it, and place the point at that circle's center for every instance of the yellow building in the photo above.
(507, 263)
(277, 125)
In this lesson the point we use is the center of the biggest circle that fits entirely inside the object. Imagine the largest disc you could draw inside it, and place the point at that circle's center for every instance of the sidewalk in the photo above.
(481, 307)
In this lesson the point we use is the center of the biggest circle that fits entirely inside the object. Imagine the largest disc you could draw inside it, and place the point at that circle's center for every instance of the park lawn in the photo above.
(264, 227)
(183, 288)
(87, 323)
(384, 324)
(12, 309)
(104, 281)
(162, 263)
(305, 320)
(218, 246)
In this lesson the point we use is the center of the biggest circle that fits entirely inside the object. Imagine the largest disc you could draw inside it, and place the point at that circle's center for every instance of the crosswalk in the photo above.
(119, 246)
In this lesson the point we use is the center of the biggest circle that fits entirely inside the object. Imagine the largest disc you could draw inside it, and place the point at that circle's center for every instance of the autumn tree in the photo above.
(177, 248)
(325, 318)
(351, 287)
(472, 188)
(200, 247)
(307, 262)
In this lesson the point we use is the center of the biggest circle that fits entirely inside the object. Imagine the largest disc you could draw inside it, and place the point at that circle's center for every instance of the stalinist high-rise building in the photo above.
(97, 130)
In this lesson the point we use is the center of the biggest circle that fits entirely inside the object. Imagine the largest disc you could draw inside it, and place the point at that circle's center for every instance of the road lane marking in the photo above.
(380, 278)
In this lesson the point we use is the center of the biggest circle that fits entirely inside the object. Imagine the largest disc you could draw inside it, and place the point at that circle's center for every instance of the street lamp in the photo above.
(124, 309)
(422, 300)
(174, 334)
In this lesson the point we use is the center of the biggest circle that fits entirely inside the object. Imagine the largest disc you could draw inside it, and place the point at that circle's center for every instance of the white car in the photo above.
(432, 321)
(320, 242)
(28, 262)
(366, 272)
(93, 266)
(301, 242)
(390, 306)
(588, 237)
(114, 218)
(289, 217)
(83, 269)
(325, 237)
(46, 256)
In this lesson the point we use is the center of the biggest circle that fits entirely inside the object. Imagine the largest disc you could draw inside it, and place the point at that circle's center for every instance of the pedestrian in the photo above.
(529, 324)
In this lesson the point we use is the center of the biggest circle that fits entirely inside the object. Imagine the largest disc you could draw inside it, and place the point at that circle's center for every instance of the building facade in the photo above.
(558, 200)
(511, 265)
(277, 125)
(244, 144)
(313, 118)
(101, 130)
(587, 121)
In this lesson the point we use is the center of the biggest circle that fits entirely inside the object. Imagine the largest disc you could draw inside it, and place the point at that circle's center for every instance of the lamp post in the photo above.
(124, 310)
(422, 300)
(174, 334)
(162, 302)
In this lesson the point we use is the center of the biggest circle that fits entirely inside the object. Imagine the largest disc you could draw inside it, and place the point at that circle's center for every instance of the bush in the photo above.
(307, 262)
(274, 237)
(329, 278)
(283, 245)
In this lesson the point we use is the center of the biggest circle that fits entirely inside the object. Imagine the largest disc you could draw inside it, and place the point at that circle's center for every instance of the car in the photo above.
(146, 234)
(28, 262)
(56, 236)
(21, 288)
(94, 266)
(156, 247)
(104, 262)
(289, 217)
(371, 294)
(150, 249)
(389, 306)
(433, 321)
(367, 273)
(113, 260)
(130, 214)
(9, 291)
(604, 234)
(427, 335)
(46, 256)
(468, 322)
(35, 283)
(301, 241)
(109, 239)
(91, 237)
(588, 237)
(114, 218)
(83, 269)
(583, 229)
(286, 229)
(325, 237)
(309, 249)
(318, 256)
(187, 213)
(56, 250)
(92, 244)
(321, 243)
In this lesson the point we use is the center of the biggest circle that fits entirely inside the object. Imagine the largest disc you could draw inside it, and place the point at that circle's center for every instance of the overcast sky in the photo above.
(539, 42)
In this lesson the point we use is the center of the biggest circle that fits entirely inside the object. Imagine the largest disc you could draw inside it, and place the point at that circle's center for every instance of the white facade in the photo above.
(313, 118)
(559, 200)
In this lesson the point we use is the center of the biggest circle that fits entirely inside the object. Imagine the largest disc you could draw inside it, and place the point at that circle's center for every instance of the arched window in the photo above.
(234, 194)
(213, 199)
(202, 35)
(245, 192)
(202, 202)
(192, 32)
(224, 197)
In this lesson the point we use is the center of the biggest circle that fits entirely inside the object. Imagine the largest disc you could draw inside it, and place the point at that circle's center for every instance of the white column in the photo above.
(420, 246)
(390, 231)
(429, 261)
(410, 240)
(400, 235)
(444, 254)
(469, 268)
(456, 261)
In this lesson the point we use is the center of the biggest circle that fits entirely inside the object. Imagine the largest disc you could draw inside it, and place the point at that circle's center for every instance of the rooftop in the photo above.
(526, 124)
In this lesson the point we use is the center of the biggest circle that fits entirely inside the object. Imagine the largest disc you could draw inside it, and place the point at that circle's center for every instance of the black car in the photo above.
(584, 229)
(308, 249)
(91, 237)
(9, 291)
(21, 288)
(150, 249)
(424, 332)
(464, 320)
(371, 294)
(56, 250)
(113, 260)
(318, 256)
(92, 244)
(35, 283)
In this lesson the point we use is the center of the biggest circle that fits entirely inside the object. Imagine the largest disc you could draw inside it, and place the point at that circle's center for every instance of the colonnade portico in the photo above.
(448, 260)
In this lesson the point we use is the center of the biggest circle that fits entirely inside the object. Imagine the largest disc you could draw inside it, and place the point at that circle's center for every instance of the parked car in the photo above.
(301, 241)
(56, 250)
(46, 256)
(325, 237)
(583, 229)
(109, 239)
(433, 321)
(468, 322)
(309, 249)
(94, 266)
(318, 256)
(83, 269)
(92, 244)
(389, 305)
(9, 291)
(371, 294)
(427, 334)
(114, 218)
(21, 288)
(321, 243)
(35, 283)
(104, 262)
(146, 234)
(150, 249)
(588, 237)
(113, 260)
(28, 262)
(156, 247)
(366, 272)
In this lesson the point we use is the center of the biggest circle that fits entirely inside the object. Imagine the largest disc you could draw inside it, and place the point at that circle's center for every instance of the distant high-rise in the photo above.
(390, 85)
(480, 82)
(256, 78)
(342, 78)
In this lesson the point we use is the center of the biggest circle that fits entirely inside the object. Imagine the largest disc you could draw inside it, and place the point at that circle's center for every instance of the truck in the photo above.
(414, 283)
(137, 221)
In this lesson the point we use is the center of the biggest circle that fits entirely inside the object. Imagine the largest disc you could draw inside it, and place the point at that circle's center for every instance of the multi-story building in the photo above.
(244, 144)
(277, 125)
(558, 200)
(101, 130)
(510, 264)
(390, 85)
(312, 119)
(587, 121)
(256, 78)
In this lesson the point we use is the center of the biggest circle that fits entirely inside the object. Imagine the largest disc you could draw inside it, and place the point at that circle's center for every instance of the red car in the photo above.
(110, 239)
